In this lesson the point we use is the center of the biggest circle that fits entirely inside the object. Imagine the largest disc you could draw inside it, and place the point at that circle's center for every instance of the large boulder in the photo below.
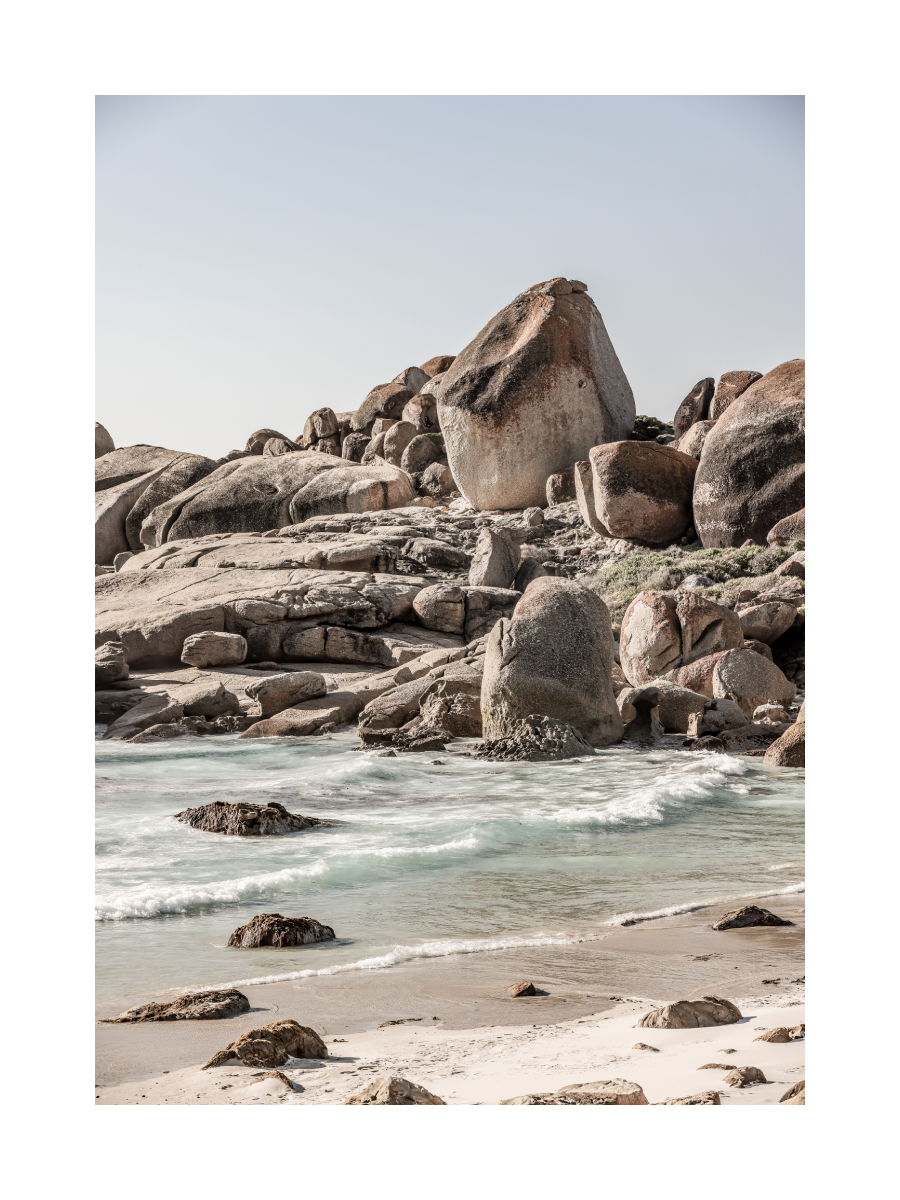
(731, 385)
(437, 365)
(276, 446)
(396, 439)
(642, 490)
(103, 442)
(751, 679)
(484, 608)
(535, 739)
(272, 929)
(391, 1089)
(767, 621)
(322, 423)
(421, 451)
(110, 664)
(274, 693)
(240, 818)
(272, 1045)
(208, 698)
(644, 727)
(441, 607)
(438, 481)
(210, 649)
(256, 442)
(560, 487)
(421, 413)
(694, 407)
(452, 703)
(675, 705)
(198, 1006)
(495, 561)
(260, 493)
(355, 446)
(182, 472)
(694, 440)
(790, 749)
(554, 658)
(112, 506)
(531, 394)
(662, 633)
(386, 400)
(752, 471)
(789, 529)
(692, 1014)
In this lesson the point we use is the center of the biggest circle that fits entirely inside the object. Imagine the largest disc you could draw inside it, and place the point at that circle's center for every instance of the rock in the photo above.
(694, 407)
(779, 1034)
(207, 698)
(276, 446)
(731, 385)
(522, 989)
(644, 1046)
(121, 559)
(110, 664)
(484, 608)
(214, 649)
(272, 929)
(742, 1076)
(243, 819)
(790, 749)
(662, 633)
(420, 453)
(391, 1089)
(766, 622)
(436, 554)
(560, 487)
(698, 1098)
(150, 711)
(397, 438)
(322, 423)
(421, 413)
(413, 378)
(642, 490)
(692, 442)
(272, 1045)
(530, 395)
(751, 475)
(438, 481)
(795, 566)
(772, 712)
(129, 463)
(789, 529)
(758, 648)
(606, 1091)
(708, 743)
(715, 1067)
(452, 703)
(644, 727)
(696, 581)
(274, 693)
(387, 400)
(198, 1006)
(715, 716)
(441, 607)
(438, 365)
(583, 478)
(748, 917)
(103, 443)
(112, 507)
(675, 706)
(530, 570)
(355, 446)
(751, 680)
(256, 442)
(553, 658)
(535, 739)
(795, 1094)
(495, 561)
(692, 1014)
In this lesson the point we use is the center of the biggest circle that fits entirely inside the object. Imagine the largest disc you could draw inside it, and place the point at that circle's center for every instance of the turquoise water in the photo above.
(436, 854)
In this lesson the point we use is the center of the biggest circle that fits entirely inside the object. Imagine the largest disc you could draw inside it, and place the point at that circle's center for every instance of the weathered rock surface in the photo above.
(272, 929)
(693, 441)
(715, 716)
(644, 727)
(748, 917)
(790, 749)
(766, 622)
(742, 1076)
(272, 1045)
(529, 570)
(553, 658)
(386, 400)
(560, 487)
(674, 709)
(782, 1034)
(495, 561)
(731, 385)
(698, 1098)
(214, 649)
(692, 1014)
(391, 1089)
(321, 423)
(437, 365)
(396, 439)
(522, 989)
(198, 1006)
(662, 633)
(276, 446)
(110, 664)
(441, 607)
(583, 482)
(277, 692)
(535, 739)
(751, 680)
(355, 446)
(103, 443)
(256, 442)
(112, 506)
(605, 1091)
(207, 698)
(795, 1094)
(694, 407)
(485, 606)
(789, 529)
(421, 451)
(149, 711)
(421, 413)
(530, 395)
(751, 474)
(243, 819)
(438, 481)
(642, 490)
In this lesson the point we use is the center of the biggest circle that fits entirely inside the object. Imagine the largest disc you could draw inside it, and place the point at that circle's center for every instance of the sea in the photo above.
(430, 854)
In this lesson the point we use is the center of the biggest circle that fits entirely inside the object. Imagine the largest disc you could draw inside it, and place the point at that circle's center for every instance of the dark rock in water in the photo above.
(645, 728)
(705, 743)
(272, 929)
(110, 664)
(198, 1006)
(536, 739)
(748, 916)
(522, 989)
(422, 737)
(272, 1045)
(243, 819)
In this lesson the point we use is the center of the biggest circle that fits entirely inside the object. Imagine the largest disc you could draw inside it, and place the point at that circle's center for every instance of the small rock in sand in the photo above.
(741, 1076)
(715, 1067)
(795, 1094)
(391, 1089)
(522, 989)
(691, 1014)
(782, 1034)
(606, 1091)
(644, 1046)
(699, 1098)
(198, 1006)
(272, 1045)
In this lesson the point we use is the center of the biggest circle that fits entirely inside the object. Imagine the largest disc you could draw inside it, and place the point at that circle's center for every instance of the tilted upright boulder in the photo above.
(642, 490)
(694, 407)
(752, 471)
(103, 442)
(554, 657)
(731, 385)
(530, 395)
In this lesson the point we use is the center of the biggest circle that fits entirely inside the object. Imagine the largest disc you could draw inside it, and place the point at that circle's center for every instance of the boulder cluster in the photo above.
(498, 542)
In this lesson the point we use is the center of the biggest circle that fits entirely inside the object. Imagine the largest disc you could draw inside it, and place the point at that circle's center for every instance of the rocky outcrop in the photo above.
(271, 1046)
(391, 1089)
(750, 679)
(103, 443)
(272, 929)
(604, 1091)
(748, 917)
(642, 490)
(675, 705)
(731, 385)
(789, 529)
(692, 1014)
(694, 407)
(751, 474)
(110, 664)
(198, 1006)
(243, 819)
(552, 658)
(790, 749)
(112, 506)
(214, 649)
(495, 561)
(277, 692)
(535, 739)
(662, 633)
(530, 395)
(795, 1094)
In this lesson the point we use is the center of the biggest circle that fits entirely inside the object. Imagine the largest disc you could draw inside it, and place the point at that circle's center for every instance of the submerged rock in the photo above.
(272, 929)
(535, 739)
(391, 1089)
(242, 819)
(198, 1006)
(271, 1046)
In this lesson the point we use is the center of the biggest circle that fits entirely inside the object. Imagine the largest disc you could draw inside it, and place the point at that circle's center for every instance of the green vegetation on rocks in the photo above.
(646, 429)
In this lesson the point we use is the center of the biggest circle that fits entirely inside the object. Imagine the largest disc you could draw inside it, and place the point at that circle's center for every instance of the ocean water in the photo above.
(436, 854)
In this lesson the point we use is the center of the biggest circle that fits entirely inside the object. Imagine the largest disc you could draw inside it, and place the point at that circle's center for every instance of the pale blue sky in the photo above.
(258, 257)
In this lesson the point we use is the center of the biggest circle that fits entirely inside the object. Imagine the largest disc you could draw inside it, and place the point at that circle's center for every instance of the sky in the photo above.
(260, 257)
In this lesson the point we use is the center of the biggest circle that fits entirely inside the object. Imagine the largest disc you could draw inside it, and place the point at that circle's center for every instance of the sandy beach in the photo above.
(484, 1046)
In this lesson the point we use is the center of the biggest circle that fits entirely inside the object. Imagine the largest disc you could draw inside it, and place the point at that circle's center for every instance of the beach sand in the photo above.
(486, 1046)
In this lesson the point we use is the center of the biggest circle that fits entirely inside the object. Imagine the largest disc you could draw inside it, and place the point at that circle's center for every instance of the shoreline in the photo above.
(633, 968)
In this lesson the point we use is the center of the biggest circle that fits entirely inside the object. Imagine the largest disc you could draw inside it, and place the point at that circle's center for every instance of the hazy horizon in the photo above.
(259, 257)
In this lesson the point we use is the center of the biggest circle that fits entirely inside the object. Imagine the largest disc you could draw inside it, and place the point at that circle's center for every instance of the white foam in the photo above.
(402, 954)
(467, 843)
(675, 910)
(782, 866)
